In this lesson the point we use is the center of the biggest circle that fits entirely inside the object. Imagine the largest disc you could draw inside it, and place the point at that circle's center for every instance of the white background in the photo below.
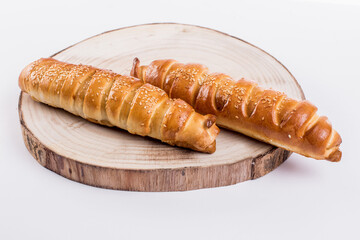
(318, 41)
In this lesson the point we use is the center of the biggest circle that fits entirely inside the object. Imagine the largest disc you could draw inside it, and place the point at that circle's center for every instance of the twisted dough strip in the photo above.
(104, 97)
(242, 106)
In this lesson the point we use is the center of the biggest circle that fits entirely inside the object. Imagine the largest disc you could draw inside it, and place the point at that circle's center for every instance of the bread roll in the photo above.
(243, 106)
(107, 98)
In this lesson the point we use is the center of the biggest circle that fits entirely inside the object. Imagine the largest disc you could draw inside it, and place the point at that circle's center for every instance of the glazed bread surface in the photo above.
(243, 106)
(107, 98)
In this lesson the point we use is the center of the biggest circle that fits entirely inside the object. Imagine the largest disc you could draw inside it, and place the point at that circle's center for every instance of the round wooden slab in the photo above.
(112, 158)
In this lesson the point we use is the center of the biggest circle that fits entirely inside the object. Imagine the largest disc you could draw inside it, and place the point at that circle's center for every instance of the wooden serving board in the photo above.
(112, 158)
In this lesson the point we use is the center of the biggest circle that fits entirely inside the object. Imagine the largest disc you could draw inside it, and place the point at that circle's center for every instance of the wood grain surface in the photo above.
(112, 158)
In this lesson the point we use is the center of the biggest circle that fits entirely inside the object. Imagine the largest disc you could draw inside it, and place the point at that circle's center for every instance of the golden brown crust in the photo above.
(242, 106)
(107, 98)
